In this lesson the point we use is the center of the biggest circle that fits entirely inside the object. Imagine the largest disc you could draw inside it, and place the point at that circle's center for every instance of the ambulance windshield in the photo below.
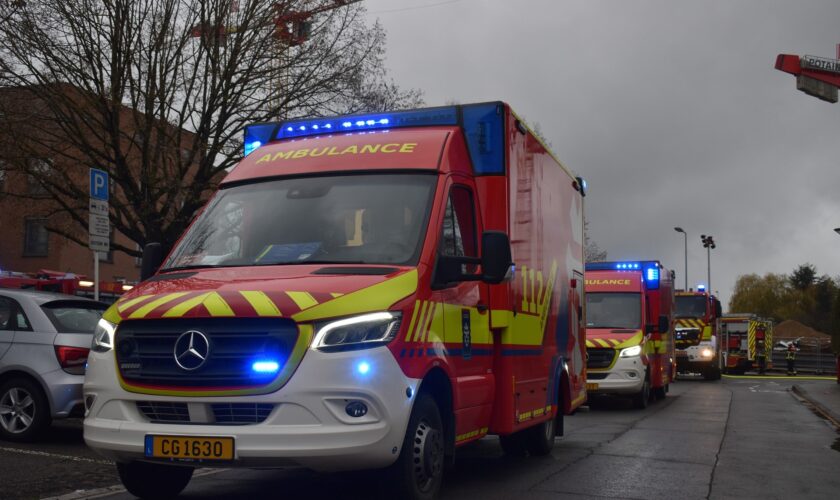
(359, 219)
(613, 310)
(691, 306)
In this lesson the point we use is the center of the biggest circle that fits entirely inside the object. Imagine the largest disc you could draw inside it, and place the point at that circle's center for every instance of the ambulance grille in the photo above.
(599, 358)
(164, 412)
(241, 413)
(145, 351)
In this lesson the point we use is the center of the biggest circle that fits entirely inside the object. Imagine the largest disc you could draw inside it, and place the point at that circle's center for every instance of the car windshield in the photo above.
(613, 310)
(68, 316)
(691, 306)
(360, 219)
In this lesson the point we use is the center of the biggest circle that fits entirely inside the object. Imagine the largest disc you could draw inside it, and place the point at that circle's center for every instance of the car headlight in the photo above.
(631, 351)
(103, 336)
(706, 353)
(358, 332)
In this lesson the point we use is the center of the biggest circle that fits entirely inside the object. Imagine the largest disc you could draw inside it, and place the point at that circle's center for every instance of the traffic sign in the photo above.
(99, 244)
(99, 184)
(99, 225)
(98, 207)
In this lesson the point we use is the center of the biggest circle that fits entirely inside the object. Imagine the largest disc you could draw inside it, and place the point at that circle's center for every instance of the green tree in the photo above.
(763, 295)
(803, 276)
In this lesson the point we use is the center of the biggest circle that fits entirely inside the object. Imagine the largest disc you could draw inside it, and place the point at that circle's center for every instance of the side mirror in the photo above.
(664, 324)
(152, 259)
(718, 309)
(496, 261)
(496, 265)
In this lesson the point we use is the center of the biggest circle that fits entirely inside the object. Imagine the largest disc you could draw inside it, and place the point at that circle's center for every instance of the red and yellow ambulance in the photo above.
(629, 325)
(362, 292)
(697, 333)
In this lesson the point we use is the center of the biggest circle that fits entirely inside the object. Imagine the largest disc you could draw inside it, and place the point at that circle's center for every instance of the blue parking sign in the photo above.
(99, 184)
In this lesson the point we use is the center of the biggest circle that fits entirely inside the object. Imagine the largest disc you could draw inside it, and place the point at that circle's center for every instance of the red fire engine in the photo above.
(698, 333)
(69, 283)
(629, 319)
(349, 300)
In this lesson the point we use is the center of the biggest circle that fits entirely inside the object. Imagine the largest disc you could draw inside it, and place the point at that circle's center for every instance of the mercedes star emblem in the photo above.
(191, 350)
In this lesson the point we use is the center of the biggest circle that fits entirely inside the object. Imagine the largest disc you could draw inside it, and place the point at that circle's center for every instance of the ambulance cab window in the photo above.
(458, 238)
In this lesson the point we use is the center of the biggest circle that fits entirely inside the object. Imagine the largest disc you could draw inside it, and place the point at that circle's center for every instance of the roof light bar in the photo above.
(447, 115)
(650, 269)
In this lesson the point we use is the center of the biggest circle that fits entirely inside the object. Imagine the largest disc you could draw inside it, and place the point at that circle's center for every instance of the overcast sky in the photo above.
(672, 110)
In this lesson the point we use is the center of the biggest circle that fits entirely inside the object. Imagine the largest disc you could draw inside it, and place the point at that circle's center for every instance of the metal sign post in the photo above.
(99, 226)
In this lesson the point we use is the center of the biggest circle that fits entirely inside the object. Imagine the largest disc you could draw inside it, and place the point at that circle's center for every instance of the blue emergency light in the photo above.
(265, 367)
(649, 268)
(701, 288)
(483, 126)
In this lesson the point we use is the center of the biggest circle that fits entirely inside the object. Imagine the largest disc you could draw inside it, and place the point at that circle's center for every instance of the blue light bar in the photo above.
(447, 115)
(265, 367)
(701, 288)
(256, 135)
(483, 126)
(648, 268)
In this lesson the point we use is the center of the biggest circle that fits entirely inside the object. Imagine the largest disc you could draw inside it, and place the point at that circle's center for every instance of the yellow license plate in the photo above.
(192, 447)
(590, 386)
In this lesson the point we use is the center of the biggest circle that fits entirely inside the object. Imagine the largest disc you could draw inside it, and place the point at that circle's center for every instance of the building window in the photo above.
(39, 169)
(36, 240)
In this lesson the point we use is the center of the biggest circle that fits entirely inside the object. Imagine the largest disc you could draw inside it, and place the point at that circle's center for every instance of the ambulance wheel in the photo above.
(540, 438)
(145, 480)
(641, 399)
(418, 472)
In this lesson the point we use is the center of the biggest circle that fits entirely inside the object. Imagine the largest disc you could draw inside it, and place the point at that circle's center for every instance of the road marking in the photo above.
(116, 489)
(56, 455)
(779, 377)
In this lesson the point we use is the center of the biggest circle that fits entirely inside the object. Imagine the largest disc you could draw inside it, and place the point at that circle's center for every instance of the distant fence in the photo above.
(814, 356)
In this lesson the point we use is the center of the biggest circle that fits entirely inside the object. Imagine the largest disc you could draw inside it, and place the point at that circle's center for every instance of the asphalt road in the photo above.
(738, 438)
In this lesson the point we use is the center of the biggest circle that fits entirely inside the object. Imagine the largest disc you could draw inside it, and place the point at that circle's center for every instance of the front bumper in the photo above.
(692, 358)
(308, 425)
(626, 376)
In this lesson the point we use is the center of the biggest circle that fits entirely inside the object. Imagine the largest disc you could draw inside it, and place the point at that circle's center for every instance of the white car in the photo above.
(44, 343)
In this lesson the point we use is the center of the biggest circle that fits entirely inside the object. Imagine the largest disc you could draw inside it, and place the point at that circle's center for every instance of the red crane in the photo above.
(816, 76)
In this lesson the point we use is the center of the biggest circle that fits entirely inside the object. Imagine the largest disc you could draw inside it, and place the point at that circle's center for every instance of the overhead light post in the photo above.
(685, 268)
(708, 244)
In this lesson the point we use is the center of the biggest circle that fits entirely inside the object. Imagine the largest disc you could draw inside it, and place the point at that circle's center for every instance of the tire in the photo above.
(418, 472)
(24, 410)
(540, 438)
(145, 480)
(641, 399)
(661, 393)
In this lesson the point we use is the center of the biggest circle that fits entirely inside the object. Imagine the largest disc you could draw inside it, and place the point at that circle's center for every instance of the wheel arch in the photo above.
(437, 384)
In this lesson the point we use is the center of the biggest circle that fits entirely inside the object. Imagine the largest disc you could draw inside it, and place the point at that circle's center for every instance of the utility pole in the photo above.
(685, 242)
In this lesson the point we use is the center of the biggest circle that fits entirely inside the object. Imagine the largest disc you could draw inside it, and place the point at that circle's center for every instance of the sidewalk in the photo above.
(826, 398)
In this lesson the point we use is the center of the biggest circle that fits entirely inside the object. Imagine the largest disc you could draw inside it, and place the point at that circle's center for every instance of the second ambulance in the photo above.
(629, 319)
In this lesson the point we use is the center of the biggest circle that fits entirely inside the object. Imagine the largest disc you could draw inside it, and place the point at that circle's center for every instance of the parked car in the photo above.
(44, 343)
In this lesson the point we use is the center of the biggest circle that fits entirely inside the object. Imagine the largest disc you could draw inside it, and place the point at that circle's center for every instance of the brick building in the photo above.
(36, 230)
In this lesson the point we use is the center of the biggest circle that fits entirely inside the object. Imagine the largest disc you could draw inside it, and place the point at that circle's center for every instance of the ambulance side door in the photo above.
(467, 336)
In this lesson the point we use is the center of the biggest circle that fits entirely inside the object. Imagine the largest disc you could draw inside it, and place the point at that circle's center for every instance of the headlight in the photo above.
(631, 351)
(706, 353)
(358, 332)
(103, 336)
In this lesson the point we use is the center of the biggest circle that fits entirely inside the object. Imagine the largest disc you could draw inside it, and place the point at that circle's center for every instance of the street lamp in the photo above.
(685, 269)
(708, 244)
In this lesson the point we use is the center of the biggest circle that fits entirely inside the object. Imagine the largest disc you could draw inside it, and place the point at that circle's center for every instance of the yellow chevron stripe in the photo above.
(217, 306)
(373, 298)
(185, 306)
(424, 335)
(602, 342)
(147, 308)
(421, 319)
(413, 320)
(590, 344)
(304, 300)
(336, 294)
(122, 306)
(261, 303)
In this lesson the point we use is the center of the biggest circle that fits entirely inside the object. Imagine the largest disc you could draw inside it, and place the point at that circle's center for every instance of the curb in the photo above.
(828, 413)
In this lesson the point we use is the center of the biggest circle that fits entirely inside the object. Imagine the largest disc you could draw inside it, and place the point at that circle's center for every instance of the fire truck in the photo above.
(369, 291)
(69, 283)
(745, 336)
(697, 333)
(629, 319)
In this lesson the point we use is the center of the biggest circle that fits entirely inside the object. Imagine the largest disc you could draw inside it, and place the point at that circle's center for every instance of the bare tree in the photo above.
(592, 252)
(156, 92)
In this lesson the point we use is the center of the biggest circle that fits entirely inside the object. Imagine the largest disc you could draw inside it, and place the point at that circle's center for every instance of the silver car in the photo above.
(44, 343)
